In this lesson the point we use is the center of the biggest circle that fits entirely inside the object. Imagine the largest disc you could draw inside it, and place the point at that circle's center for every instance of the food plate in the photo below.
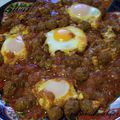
(63, 81)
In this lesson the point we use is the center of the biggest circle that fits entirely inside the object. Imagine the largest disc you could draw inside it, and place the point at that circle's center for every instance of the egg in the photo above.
(82, 12)
(54, 92)
(67, 39)
(13, 49)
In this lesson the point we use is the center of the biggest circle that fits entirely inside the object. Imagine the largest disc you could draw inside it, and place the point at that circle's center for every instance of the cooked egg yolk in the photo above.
(14, 45)
(59, 89)
(83, 12)
(68, 39)
(54, 92)
(63, 35)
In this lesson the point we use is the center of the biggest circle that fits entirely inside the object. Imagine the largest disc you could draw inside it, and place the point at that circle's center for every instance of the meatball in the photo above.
(21, 104)
(81, 74)
(55, 113)
(9, 88)
(72, 61)
(33, 78)
(97, 3)
(89, 107)
(30, 97)
(45, 11)
(97, 78)
(105, 58)
(63, 22)
(71, 108)
(51, 24)
(32, 21)
(41, 26)
(84, 25)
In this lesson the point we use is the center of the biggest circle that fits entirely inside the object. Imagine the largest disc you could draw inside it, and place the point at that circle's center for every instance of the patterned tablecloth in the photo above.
(2, 2)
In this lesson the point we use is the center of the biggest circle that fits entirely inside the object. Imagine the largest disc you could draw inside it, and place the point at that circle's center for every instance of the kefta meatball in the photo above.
(24, 103)
(105, 58)
(55, 113)
(80, 74)
(9, 88)
(71, 108)
(89, 107)
(21, 104)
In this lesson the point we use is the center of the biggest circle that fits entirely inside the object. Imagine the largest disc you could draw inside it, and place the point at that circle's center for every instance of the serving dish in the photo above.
(84, 117)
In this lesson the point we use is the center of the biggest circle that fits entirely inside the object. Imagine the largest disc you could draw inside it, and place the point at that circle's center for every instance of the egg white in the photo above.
(61, 90)
(82, 12)
(77, 43)
(13, 44)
